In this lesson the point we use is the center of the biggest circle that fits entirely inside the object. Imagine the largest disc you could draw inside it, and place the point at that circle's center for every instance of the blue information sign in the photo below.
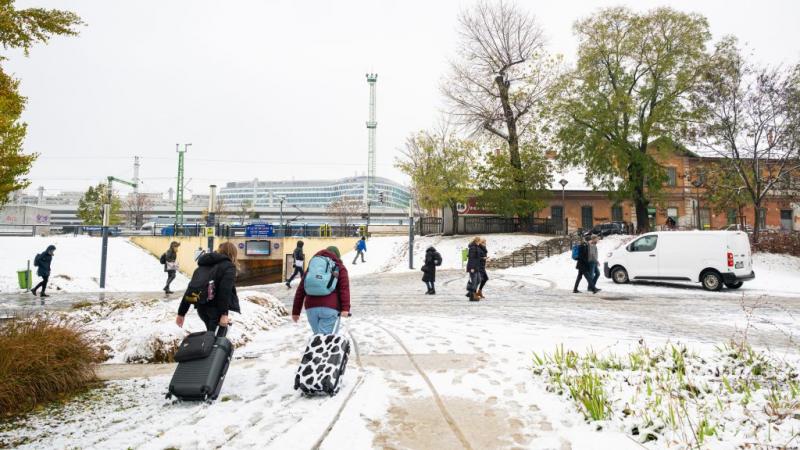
(258, 230)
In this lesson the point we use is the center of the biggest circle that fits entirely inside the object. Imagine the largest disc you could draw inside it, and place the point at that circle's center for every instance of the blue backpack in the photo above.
(321, 276)
(576, 250)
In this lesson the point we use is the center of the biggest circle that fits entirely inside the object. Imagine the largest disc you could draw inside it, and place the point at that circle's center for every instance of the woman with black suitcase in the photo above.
(432, 259)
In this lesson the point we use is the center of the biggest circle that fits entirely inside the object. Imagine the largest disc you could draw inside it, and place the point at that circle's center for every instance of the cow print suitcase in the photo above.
(323, 365)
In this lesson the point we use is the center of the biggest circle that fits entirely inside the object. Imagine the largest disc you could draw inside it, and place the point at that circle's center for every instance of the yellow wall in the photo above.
(156, 245)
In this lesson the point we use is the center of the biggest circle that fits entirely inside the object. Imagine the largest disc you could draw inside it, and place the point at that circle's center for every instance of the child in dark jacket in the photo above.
(432, 260)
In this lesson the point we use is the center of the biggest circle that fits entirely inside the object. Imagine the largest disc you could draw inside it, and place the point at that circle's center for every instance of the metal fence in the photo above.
(488, 225)
(430, 225)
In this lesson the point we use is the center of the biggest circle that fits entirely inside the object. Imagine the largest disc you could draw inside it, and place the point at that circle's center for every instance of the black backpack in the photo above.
(201, 287)
(37, 259)
(163, 258)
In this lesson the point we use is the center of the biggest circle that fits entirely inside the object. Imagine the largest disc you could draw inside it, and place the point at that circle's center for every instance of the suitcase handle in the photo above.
(222, 331)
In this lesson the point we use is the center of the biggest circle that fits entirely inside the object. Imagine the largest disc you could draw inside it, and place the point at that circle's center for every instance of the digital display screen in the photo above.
(257, 248)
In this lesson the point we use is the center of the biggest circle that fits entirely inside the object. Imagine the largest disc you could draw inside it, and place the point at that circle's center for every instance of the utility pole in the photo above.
(411, 235)
(372, 124)
(211, 218)
(106, 224)
(179, 190)
(282, 199)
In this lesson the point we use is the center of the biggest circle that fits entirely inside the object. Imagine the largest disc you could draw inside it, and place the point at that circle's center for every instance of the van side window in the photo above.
(644, 244)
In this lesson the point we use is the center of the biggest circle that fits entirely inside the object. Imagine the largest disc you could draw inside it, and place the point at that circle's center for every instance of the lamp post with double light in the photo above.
(563, 182)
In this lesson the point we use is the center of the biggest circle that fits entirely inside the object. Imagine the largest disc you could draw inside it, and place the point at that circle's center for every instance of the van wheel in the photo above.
(619, 275)
(734, 285)
(711, 281)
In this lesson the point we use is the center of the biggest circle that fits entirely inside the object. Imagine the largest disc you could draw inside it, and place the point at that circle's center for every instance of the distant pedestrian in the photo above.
(324, 310)
(671, 223)
(580, 254)
(42, 262)
(198, 253)
(298, 257)
(361, 247)
(170, 261)
(484, 255)
(473, 269)
(432, 260)
(593, 272)
(215, 313)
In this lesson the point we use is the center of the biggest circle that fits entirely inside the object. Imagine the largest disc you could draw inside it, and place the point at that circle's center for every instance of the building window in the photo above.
(557, 213)
(732, 214)
(762, 218)
(587, 215)
(672, 177)
(705, 219)
(673, 214)
(616, 213)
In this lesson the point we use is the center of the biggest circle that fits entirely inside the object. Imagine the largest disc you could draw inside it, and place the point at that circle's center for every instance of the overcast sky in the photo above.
(275, 89)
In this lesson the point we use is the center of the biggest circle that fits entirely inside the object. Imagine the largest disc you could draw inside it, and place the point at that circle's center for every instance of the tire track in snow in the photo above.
(437, 398)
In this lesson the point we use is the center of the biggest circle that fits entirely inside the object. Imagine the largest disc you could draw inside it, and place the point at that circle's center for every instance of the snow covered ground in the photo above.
(776, 275)
(76, 264)
(390, 254)
(143, 329)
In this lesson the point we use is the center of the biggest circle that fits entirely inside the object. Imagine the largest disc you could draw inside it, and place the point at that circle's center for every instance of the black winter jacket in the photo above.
(473, 257)
(298, 254)
(583, 257)
(482, 253)
(45, 259)
(432, 259)
(225, 298)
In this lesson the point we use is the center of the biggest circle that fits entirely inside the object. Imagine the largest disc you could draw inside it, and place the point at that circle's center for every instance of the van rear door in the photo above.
(739, 246)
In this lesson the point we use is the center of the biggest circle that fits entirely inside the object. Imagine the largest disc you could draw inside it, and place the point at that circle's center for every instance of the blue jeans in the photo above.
(592, 274)
(322, 319)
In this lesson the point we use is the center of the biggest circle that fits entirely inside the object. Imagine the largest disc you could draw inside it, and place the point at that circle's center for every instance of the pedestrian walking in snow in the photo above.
(473, 269)
(220, 286)
(361, 247)
(593, 271)
(169, 260)
(432, 260)
(42, 262)
(483, 254)
(580, 253)
(298, 256)
(327, 277)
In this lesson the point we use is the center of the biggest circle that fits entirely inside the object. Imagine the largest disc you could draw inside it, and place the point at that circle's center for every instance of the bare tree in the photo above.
(345, 210)
(136, 206)
(752, 122)
(245, 210)
(502, 73)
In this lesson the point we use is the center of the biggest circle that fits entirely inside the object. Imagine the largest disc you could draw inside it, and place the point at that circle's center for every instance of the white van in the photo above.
(712, 258)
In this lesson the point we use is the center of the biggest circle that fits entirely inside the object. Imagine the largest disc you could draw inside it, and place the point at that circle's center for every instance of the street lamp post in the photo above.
(211, 219)
(697, 183)
(411, 234)
(563, 184)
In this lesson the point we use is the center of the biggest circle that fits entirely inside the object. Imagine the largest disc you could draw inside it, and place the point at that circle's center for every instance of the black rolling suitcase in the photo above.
(323, 364)
(203, 360)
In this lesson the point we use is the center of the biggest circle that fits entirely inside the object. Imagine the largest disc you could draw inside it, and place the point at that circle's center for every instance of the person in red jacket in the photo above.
(323, 311)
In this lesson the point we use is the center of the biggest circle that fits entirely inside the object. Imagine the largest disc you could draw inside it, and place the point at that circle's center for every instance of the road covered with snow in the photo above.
(434, 371)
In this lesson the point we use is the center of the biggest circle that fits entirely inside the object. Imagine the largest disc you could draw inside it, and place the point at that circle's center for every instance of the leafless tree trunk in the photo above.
(136, 206)
(345, 210)
(502, 73)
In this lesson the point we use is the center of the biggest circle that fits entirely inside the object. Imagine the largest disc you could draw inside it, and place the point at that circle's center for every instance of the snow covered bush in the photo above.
(41, 361)
(678, 398)
(144, 331)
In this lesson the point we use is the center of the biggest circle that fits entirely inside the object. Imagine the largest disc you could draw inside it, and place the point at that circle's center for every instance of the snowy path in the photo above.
(430, 372)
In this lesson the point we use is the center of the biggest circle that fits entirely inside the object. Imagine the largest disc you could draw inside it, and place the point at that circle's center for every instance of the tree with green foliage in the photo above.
(440, 167)
(21, 29)
(499, 189)
(90, 206)
(633, 80)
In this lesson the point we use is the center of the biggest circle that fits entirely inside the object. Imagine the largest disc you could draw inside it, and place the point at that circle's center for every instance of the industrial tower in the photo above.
(179, 190)
(372, 124)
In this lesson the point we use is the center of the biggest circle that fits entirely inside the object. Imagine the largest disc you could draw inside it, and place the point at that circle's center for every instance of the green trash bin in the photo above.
(24, 277)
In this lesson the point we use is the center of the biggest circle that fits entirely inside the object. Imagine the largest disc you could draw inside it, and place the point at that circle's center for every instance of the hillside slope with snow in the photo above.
(76, 264)
(390, 254)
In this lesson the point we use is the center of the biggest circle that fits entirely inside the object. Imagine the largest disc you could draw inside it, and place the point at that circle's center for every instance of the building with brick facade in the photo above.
(684, 198)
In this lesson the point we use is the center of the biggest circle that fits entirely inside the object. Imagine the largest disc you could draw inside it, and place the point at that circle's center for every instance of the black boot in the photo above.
(432, 292)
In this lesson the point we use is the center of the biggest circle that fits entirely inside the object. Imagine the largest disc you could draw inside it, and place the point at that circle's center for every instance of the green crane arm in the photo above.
(112, 179)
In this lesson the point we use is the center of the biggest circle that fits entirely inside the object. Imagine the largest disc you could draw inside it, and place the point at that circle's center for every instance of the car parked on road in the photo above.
(606, 229)
(712, 258)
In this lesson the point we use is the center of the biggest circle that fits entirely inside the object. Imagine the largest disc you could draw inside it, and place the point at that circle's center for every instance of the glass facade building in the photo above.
(313, 193)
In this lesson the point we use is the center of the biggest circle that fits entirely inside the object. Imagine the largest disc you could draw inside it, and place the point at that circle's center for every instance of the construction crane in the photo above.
(106, 222)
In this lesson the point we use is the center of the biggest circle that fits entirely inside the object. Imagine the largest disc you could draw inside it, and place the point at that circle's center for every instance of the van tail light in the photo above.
(730, 259)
